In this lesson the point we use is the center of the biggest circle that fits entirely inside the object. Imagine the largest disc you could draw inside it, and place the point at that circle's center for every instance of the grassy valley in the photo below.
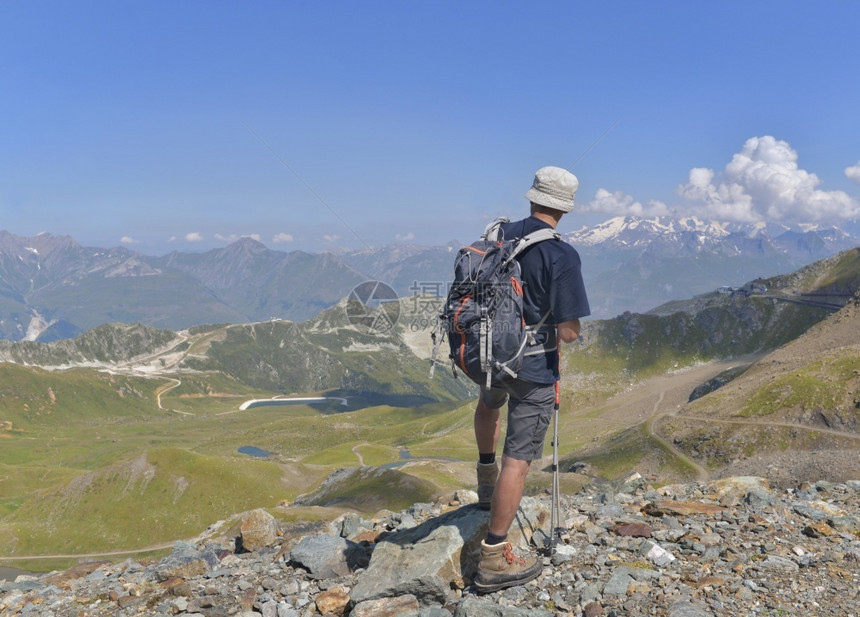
(82, 477)
(136, 442)
(96, 459)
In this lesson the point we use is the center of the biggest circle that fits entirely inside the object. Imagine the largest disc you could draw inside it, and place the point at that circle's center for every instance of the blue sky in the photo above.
(324, 125)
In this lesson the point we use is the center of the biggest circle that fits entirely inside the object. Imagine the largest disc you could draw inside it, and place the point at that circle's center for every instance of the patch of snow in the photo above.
(757, 229)
(805, 227)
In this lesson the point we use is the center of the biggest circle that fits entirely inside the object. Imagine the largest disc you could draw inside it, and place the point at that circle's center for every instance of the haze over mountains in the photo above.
(52, 288)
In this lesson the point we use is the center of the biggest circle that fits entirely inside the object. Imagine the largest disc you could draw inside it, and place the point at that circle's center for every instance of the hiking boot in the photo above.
(487, 476)
(500, 568)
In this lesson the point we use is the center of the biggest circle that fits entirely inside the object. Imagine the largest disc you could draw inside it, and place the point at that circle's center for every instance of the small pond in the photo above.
(255, 452)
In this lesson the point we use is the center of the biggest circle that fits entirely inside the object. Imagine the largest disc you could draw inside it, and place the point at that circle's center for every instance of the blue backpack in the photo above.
(483, 312)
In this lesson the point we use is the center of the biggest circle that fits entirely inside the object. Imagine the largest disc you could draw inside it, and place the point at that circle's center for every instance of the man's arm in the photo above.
(568, 331)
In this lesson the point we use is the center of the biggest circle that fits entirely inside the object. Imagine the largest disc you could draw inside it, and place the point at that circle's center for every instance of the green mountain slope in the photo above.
(31, 397)
(762, 316)
(795, 411)
(323, 354)
(156, 496)
(109, 344)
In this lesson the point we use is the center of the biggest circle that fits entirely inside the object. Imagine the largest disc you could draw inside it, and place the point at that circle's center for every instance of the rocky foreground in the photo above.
(731, 547)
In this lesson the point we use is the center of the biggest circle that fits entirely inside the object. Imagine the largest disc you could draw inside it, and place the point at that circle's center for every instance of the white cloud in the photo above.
(405, 237)
(723, 202)
(282, 237)
(853, 172)
(764, 182)
(234, 237)
(619, 204)
(172, 239)
(129, 240)
(194, 236)
(331, 238)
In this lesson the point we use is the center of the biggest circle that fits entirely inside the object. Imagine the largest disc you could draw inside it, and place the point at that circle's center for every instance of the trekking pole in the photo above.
(555, 519)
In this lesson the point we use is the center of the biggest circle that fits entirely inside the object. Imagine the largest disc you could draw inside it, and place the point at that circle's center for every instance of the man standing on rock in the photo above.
(554, 295)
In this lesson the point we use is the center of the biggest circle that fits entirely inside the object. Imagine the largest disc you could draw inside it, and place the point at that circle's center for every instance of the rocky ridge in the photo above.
(732, 546)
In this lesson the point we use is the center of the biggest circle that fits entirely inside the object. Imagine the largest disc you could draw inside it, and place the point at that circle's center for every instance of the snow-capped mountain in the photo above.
(638, 233)
(633, 264)
(631, 232)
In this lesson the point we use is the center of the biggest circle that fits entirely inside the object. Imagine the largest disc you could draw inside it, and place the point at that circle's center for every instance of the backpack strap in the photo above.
(533, 238)
(522, 244)
(551, 344)
(491, 231)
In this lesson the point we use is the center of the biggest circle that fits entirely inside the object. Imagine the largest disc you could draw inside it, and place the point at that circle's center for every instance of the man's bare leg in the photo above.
(487, 427)
(506, 497)
(499, 567)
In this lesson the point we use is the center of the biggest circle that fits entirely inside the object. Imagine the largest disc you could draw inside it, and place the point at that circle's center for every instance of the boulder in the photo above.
(184, 562)
(328, 556)
(401, 606)
(479, 607)
(681, 508)
(75, 572)
(656, 554)
(632, 530)
(332, 601)
(351, 525)
(259, 529)
(689, 608)
(845, 524)
(442, 553)
(737, 486)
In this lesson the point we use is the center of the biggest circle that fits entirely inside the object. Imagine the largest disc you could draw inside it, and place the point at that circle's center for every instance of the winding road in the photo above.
(165, 389)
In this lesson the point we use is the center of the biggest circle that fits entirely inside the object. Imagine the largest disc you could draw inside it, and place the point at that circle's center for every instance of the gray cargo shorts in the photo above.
(530, 407)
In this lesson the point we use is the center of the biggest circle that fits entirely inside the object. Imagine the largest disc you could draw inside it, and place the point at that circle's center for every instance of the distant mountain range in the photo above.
(633, 264)
(52, 288)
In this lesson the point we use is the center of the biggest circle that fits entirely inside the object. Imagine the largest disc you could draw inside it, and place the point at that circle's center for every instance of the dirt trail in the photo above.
(145, 549)
(702, 474)
(357, 451)
(647, 402)
(802, 427)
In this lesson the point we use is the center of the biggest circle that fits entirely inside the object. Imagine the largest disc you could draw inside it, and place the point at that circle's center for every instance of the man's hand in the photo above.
(568, 331)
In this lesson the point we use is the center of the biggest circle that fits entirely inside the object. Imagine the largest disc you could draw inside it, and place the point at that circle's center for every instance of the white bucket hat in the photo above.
(554, 188)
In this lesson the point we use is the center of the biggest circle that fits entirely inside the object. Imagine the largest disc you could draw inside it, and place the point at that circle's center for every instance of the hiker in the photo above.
(553, 295)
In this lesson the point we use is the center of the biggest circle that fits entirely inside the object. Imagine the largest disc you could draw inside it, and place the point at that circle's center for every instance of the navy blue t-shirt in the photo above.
(552, 283)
